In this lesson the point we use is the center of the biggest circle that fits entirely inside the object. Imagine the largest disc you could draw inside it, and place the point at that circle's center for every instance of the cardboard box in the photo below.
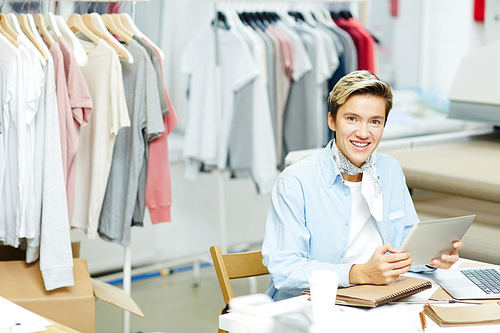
(74, 306)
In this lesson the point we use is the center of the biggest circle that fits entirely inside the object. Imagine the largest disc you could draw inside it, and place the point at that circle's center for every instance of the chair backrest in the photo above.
(236, 265)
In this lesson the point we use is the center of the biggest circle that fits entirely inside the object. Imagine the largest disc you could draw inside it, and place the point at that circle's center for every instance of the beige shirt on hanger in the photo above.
(103, 75)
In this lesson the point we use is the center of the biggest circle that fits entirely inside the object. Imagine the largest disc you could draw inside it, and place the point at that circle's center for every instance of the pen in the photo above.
(434, 302)
(422, 320)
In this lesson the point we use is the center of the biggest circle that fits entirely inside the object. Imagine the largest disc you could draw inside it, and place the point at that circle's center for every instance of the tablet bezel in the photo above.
(431, 239)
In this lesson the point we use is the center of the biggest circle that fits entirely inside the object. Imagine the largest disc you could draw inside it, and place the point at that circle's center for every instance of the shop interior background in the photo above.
(420, 49)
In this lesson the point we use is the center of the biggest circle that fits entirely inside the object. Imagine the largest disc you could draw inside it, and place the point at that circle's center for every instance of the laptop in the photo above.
(470, 283)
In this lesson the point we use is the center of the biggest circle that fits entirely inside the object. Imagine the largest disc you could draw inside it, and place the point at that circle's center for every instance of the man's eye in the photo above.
(376, 122)
(351, 118)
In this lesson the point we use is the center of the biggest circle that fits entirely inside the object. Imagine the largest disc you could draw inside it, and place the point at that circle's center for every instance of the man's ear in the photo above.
(331, 122)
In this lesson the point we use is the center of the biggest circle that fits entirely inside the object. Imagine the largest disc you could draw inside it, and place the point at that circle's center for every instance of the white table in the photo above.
(397, 318)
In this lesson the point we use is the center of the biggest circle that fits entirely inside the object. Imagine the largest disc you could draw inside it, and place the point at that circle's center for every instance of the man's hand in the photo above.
(448, 260)
(381, 268)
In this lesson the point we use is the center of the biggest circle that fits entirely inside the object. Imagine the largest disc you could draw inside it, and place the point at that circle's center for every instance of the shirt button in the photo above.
(346, 223)
(346, 194)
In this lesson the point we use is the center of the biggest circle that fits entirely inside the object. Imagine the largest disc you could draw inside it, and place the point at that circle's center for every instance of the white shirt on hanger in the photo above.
(205, 140)
(10, 69)
(264, 161)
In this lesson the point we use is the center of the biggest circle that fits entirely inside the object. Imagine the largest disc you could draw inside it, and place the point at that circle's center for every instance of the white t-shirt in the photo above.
(103, 75)
(10, 66)
(364, 236)
(206, 141)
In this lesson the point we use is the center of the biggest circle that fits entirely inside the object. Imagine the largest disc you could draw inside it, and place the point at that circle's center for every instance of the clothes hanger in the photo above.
(4, 23)
(128, 21)
(76, 25)
(110, 24)
(50, 20)
(14, 24)
(27, 24)
(78, 50)
(308, 18)
(327, 17)
(40, 24)
(94, 22)
(319, 15)
(120, 25)
(8, 37)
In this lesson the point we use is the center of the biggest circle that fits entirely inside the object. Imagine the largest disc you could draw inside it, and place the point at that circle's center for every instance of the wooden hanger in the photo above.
(76, 24)
(40, 24)
(78, 50)
(91, 24)
(8, 36)
(4, 22)
(24, 22)
(129, 22)
(110, 24)
(119, 23)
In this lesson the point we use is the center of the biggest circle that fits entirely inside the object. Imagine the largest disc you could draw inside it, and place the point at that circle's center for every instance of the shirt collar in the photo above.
(328, 166)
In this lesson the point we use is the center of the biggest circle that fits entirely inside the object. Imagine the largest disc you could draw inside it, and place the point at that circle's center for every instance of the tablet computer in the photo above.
(431, 239)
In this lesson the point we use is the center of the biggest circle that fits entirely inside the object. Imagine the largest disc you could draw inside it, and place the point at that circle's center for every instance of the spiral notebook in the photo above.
(367, 295)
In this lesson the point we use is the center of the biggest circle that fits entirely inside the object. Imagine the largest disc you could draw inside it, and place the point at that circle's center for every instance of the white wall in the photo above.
(430, 39)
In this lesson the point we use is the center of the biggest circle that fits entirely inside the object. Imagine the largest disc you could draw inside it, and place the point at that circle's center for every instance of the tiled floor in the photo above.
(172, 304)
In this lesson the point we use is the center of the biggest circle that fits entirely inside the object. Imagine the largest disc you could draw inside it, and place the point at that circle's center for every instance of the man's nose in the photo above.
(362, 130)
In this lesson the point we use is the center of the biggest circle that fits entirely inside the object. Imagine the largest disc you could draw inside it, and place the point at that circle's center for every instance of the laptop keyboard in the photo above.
(486, 279)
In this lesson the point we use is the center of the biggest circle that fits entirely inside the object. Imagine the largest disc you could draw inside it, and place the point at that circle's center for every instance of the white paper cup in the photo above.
(323, 285)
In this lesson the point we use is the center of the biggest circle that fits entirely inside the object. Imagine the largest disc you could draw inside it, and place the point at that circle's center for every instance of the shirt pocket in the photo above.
(396, 214)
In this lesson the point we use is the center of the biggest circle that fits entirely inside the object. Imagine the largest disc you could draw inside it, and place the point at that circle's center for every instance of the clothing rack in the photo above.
(220, 172)
(127, 262)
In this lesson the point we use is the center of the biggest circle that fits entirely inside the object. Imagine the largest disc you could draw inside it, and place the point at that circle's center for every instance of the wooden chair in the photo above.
(233, 266)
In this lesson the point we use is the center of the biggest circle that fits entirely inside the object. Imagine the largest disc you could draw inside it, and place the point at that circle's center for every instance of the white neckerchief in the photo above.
(370, 184)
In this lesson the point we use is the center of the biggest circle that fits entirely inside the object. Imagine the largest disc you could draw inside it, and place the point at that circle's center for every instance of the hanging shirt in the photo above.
(237, 69)
(81, 108)
(52, 241)
(299, 130)
(159, 185)
(282, 84)
(63, 104)
(103, 75)
(369, 44)
(12, 90)
(241, 134)
(129, 154)
(261, 137)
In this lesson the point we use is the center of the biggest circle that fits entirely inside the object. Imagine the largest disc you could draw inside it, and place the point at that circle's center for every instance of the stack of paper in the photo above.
(464, 315)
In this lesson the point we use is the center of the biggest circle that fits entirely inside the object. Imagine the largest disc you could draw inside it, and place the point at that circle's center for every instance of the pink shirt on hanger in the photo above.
(81, 108)
(63, 104)
(159, 183)
(286, 47)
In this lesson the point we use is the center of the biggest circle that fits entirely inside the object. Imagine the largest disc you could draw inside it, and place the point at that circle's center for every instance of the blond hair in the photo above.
(359, 83)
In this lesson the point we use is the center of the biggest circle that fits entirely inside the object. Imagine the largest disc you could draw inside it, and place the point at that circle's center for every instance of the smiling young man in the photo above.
(346, 208)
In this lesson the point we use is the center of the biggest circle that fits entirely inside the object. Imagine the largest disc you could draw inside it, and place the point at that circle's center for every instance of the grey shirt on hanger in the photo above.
(140, 207)
(129, 163)
(157, 66)
(298, 129)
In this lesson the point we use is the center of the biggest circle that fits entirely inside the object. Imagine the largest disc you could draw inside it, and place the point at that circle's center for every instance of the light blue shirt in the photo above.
(309, 216)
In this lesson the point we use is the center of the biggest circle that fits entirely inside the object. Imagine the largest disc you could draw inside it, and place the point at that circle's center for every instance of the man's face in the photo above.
(359, 126)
